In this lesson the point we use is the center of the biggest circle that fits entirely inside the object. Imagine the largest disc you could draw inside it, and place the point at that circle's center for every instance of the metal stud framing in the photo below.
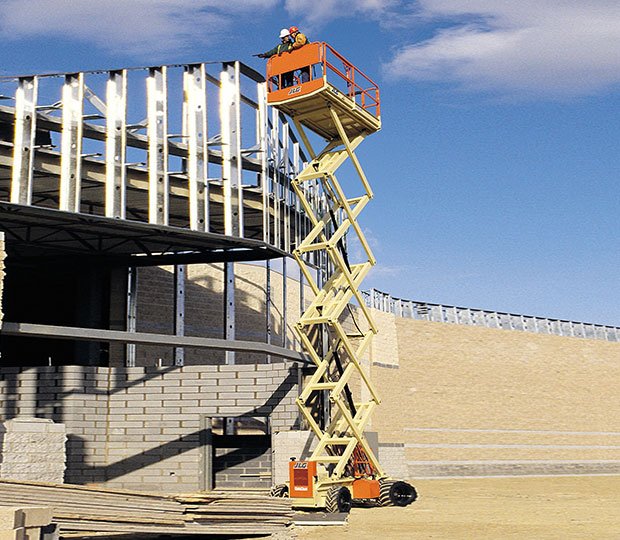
(230, 114)
(491, 319)
(195, 133)
(275, 185)
(273, 159)
(180, 271)
(132, 310)
(262, 130)
(268, 306)
(71, 143)
(116, 145)
(23, 149)
(114, 184)
(157, 132)
(286, 169)
(229, 307)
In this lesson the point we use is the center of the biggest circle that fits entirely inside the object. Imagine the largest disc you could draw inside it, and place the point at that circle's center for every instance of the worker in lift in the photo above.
(298, 40)
(282, 47)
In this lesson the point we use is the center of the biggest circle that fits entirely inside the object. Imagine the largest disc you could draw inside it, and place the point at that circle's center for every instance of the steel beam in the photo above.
(95, 334)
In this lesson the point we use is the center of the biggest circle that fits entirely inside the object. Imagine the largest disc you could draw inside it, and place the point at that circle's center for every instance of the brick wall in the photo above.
(2, 258)
(142, 428)
(469, 400)
(456, 399)
(288, 444)
(204, 310)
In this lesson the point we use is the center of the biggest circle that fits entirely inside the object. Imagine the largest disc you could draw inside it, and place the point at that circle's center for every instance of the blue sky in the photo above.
(497, 167)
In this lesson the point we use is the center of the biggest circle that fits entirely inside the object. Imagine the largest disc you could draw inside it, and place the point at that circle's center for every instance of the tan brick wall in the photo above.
(2, 257)
(204, 309)
(468, 394)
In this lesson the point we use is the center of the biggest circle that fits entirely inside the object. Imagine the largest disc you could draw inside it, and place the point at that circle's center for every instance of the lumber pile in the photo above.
(100, 510)
(245, 510)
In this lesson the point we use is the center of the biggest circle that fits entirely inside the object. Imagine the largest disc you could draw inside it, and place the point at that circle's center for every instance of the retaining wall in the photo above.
(468, 400)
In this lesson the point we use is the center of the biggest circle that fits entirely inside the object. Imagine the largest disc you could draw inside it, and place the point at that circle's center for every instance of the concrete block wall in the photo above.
(287, 444)
(32, 449)
(242, 461)
(2, 258)
(154, 313)
(470, 400)
(142, 428)
(393, 459)
(204, 309)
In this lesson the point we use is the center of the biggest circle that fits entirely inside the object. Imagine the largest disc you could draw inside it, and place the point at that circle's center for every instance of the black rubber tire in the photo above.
(402, 494)
(280, 490)
(338, 499)
(384, 492)
(396, 493)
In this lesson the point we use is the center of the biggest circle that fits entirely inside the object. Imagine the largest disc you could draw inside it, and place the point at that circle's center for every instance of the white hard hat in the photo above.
(284, 32)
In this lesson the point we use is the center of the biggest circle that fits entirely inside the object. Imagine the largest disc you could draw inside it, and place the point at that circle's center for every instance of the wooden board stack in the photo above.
(99, 510)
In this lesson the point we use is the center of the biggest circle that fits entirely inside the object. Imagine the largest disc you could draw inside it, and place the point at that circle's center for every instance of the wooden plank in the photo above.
(97, 510)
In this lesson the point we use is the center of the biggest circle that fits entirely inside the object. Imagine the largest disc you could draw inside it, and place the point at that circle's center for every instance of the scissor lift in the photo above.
(324, 93)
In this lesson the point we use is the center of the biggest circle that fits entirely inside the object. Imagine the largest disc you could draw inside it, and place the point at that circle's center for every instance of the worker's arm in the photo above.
(299, 42)
(269, 53)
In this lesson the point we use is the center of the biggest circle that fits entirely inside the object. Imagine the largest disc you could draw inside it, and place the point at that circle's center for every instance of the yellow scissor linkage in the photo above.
(342, 465)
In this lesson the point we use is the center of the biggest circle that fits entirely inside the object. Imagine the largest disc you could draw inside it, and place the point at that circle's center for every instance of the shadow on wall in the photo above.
(94, 297)
(204, 311)
(92, 403)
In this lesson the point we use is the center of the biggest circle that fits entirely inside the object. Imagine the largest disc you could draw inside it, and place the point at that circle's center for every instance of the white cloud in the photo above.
(529, 47)
(317, 12)
(125, 25)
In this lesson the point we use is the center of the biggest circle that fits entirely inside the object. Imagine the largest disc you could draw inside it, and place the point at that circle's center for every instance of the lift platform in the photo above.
(323, 79)
(324, 93)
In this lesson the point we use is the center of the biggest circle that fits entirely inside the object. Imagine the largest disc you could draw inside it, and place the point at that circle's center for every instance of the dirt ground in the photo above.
(564, 508)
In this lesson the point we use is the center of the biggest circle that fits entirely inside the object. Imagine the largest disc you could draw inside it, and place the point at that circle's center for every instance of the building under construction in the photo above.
(179, 295)
(122, 184)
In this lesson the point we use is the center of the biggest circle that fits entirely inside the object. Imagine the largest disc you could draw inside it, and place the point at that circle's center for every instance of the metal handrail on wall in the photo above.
(426, 311)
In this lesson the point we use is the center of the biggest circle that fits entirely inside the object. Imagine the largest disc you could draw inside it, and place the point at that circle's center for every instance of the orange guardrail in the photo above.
(297, 73)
